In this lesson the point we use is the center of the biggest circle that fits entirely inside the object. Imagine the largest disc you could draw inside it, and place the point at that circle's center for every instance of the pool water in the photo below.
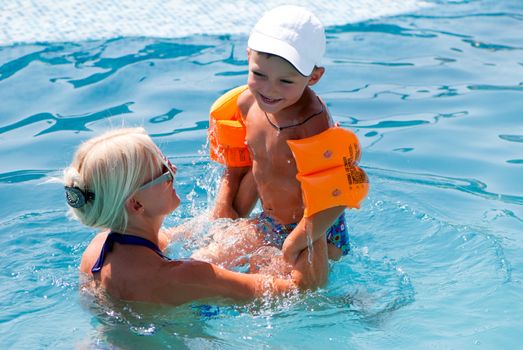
(435, 96)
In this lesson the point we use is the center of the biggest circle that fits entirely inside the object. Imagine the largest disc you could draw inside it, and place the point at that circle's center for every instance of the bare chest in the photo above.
(268, 146)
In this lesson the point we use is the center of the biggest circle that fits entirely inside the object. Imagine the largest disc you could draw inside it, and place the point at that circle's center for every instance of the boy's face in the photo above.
(274, 82)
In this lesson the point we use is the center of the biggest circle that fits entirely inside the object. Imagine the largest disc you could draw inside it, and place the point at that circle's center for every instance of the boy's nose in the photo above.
(271, 91)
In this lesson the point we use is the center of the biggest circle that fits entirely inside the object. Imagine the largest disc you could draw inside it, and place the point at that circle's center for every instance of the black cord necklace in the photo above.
(280, 128)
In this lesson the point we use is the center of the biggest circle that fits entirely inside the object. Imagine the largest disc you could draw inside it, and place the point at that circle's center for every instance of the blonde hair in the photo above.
(112, 166)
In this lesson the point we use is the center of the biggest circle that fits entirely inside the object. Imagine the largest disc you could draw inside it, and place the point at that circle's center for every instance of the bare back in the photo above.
(125, 266)
(274, 167)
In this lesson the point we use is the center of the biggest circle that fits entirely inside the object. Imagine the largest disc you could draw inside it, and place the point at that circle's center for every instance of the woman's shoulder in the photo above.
(92, 252)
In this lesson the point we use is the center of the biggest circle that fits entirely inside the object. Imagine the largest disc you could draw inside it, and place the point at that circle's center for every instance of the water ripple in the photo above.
(14, 66)
(516, 16)
(379, 287)
(72, 123)
(90, 55)
(469, 248)
(26, 217)
(369, 91)
(367, 27)
(231, 73)
(512, 138)
(396, 124)
(201, 125)
(492, 47)
(165, 117)
(390, 124)
(386, 64)
(486, 87)
(472, 186)
(158, 50)
(231, 59)
(23, 175)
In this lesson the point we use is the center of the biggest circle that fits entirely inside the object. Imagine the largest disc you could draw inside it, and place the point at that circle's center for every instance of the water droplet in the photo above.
(308, 230)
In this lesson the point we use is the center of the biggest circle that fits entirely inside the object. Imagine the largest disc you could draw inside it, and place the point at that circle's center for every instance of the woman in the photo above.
(121, 182)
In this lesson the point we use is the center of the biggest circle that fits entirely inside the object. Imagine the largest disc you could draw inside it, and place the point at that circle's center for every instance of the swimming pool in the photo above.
(435, 96)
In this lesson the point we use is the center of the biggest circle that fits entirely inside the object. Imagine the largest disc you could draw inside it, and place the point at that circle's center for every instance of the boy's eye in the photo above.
(286, 81)
(258, 74)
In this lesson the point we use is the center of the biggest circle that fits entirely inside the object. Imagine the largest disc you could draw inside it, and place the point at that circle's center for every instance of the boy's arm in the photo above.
(247, 195)
(237, 194)
(308, 231)
(330, 177)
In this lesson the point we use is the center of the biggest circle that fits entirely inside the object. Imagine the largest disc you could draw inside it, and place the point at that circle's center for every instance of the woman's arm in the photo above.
(191, 280)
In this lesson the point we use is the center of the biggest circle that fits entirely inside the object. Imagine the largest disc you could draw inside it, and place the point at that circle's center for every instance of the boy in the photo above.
(279, 109)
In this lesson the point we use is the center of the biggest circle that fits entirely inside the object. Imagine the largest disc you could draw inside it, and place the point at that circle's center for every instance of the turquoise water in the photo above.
(436, 98)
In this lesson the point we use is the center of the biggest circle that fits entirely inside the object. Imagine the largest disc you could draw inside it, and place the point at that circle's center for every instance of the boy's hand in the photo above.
(307, 232)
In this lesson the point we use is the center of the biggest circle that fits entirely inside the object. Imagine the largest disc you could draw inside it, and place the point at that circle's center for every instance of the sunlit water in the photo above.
(435, 97)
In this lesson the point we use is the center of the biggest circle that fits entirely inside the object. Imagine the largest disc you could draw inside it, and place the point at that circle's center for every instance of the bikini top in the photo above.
(115, 237)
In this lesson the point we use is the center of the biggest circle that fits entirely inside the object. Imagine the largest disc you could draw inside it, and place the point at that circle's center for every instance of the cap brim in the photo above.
(263, 43)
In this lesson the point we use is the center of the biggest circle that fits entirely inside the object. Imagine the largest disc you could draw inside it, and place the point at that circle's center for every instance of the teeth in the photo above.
(269, 99)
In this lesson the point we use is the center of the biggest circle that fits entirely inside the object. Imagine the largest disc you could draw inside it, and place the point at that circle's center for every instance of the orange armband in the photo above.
(328, 170)
(227, 131)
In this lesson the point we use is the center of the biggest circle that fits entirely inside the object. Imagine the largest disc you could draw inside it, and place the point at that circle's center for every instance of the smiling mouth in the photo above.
(269, 101)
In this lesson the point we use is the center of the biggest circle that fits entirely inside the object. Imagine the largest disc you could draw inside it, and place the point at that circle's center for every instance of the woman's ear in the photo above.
(133, 206)
(316, 75)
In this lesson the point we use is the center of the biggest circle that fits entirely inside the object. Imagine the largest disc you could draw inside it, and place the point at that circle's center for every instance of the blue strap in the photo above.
(115, 237)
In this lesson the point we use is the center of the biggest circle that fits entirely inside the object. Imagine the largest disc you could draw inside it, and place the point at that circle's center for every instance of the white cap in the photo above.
(293, 33)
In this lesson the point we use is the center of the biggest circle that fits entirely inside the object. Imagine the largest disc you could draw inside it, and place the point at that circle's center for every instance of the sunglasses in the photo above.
(168, 175)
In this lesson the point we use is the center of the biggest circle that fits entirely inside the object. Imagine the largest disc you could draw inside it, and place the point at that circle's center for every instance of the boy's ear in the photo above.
(133, 206)
(316, 75)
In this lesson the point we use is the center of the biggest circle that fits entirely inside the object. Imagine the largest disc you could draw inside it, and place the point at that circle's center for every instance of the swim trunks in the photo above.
(275, 233)
(115, 237)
